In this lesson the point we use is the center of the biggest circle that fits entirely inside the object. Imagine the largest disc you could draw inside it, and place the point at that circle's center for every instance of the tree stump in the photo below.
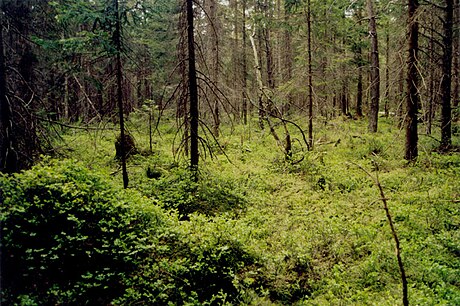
(130, 146)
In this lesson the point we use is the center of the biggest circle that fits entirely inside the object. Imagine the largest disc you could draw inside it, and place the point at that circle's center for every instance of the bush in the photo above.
(69, 237)
(198, 273)
(178, 191)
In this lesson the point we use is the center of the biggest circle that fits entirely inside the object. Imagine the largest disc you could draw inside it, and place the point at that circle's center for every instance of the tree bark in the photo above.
(214, 63)
(264, 95)
(446, 108)
(411, 151)
(259, 65)
(359, 60)
(344, 100)
(5, 112)
(287, 56)
(310, 80)
(431, 93)
(269, 59)
(245, 67)
(182, 110)
(456, 63)
(375, 70)
(402, 95)
(269, 47)
(387, 71)
(193, 92)
(117, 37)
(259, 81)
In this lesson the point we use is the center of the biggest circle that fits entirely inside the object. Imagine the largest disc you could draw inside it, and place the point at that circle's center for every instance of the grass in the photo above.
(317, 226)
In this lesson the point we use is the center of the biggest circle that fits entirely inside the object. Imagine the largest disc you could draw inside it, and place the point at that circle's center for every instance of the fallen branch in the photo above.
(86, 128)
(393, 231)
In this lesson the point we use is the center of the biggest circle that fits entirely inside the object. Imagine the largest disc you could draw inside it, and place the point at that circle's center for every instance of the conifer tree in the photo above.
(412, 84)
(375, 69)
(446, 82)
(193, 91)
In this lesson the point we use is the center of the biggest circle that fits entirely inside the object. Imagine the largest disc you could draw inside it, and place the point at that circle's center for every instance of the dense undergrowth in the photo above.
(256, 229)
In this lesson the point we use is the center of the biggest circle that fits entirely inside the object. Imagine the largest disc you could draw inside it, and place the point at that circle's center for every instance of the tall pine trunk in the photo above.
(412, 85)
(343, 99)
(214, 30)
(431, 90)
(402, 94)
(375, 70)
(5, 114)
(269, 58)
(456, 63)
(117, 38)
(287, 62)
(359, 60)
(387, 72)
(245, 66)
(193, 92)
(310, 82)
(446, 108)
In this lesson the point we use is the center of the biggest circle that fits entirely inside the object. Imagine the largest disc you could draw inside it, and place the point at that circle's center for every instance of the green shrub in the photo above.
(178, 191)
(69, 237)
(205, 273)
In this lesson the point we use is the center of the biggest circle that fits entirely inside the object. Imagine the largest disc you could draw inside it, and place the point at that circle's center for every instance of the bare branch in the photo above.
(393, 230)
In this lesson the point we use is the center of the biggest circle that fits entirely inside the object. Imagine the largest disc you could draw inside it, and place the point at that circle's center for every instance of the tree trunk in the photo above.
(5, 113)
(182, 110)
(334, 104)
(402, 95)
(268, 46)
(359, 61)
(117, 37)
(214, 63)
(359, 94)
(429, 110)
(66, 97)
(262, 112)
(193, 92)
(259, 65)
(374, 73)
(446, 110)
(456, 63)
(412, 85)
(431, 93)
(264, 95)
(310, 80)
(387, 72)
(259, 81)
(244, 68)
(287, 57)
(343, 100)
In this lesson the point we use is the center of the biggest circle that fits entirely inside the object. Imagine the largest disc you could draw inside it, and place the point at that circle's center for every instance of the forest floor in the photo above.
(317, 224)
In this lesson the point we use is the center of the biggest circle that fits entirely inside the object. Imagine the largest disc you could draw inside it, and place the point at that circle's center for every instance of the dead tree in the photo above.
(193, 93)
(412, 84)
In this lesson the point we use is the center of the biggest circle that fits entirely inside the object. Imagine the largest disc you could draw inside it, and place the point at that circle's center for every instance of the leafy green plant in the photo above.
(68, 236)
(177, 190)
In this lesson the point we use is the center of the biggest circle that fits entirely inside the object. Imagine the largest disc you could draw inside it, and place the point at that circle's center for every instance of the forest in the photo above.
(229, 152)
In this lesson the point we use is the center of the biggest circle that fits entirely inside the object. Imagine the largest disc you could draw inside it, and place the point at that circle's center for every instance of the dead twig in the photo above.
(384, 199)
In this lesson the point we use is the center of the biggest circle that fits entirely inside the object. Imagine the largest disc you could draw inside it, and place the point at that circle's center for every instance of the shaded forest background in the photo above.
(320, 60)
